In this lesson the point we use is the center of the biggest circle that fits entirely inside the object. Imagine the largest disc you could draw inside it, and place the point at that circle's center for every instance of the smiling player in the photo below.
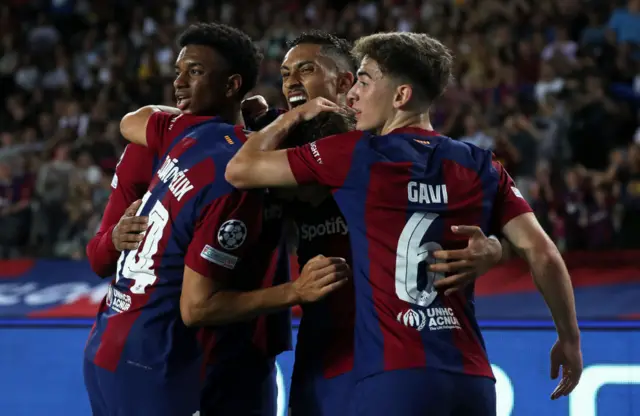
(401, 190)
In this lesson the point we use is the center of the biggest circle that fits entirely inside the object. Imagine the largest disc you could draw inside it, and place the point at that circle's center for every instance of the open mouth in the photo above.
(297, 98)
(182, 101)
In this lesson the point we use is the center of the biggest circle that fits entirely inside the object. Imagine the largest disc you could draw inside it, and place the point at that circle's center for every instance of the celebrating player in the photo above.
(401, 191)
(321, 65)
(140, 356)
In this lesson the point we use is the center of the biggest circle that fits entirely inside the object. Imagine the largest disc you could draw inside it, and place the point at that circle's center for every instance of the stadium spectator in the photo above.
(552, 87)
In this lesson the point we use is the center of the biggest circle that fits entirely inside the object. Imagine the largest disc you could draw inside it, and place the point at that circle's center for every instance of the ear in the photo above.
(345, 82)
(402, 96)
(234, 83)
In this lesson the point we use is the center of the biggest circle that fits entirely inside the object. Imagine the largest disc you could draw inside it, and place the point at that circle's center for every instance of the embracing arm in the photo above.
(204, 303)
(207, 301)
(257, 164)
(549, 272)
(133, 125)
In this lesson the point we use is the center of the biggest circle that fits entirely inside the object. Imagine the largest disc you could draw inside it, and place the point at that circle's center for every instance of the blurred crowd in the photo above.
(552, 87)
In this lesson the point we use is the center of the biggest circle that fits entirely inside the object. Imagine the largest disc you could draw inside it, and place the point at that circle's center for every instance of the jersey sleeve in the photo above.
(129, 183)
(158, 137)
(509, 202)
(225, 231)
(326, 161)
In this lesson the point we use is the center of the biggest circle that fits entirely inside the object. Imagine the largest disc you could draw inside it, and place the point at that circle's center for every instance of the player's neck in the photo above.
(233, 116)
(405, 119)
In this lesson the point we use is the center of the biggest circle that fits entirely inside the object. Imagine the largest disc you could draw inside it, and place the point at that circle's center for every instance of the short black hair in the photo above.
(237, 48)
(338, 49)
(415, 58)
(323, 125)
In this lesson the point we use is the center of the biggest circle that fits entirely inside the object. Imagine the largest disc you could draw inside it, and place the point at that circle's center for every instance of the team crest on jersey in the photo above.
(232, 234)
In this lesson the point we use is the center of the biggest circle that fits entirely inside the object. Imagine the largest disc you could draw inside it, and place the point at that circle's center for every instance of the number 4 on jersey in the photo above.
(138, 264)
(410, 254)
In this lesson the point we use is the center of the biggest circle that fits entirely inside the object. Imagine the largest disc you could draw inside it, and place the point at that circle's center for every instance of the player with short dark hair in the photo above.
(320, 64)
(401, 190)
(147, 353)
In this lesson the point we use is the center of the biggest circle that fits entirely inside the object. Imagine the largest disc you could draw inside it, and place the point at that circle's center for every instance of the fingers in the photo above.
(132, 225)
(468, 230)
(133, 208)
(320, 262)
(555, 369)
(453, 266)
(567, 384)
(454, 283)
(333, 286)
(462, 254)
(331, 272)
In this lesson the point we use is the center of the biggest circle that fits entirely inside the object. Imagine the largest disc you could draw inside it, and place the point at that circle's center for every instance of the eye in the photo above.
(362, 83)
(306, 69)
(284, 76)
(195, 72)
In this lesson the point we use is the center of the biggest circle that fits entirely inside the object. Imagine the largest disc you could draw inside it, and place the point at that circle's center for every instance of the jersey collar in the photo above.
(415, 130)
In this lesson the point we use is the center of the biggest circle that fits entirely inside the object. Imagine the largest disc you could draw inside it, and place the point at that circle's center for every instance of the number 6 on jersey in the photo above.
(410, 254)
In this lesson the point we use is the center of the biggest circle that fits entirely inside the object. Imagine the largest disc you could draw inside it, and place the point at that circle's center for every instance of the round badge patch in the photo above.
(232, 234)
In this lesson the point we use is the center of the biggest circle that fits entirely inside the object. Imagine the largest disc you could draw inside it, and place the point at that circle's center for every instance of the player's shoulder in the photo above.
(466, 154)
(135, 165)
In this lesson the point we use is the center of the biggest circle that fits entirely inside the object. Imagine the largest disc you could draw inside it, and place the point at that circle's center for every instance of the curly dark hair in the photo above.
(415, 58)
(338, 49)
(241, 54)
(323, 125)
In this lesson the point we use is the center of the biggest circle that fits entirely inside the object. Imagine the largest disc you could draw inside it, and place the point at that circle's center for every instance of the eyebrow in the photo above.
(297, 65)
(362, 73)
(190, 64)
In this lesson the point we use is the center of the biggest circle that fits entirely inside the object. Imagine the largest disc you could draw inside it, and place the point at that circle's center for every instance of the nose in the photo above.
(352, 95)
(180, 81)
(293, 81)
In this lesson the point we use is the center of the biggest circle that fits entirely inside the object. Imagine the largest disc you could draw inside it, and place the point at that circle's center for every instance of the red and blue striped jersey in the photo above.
(196, 219)
(400, 194)
(325, 336)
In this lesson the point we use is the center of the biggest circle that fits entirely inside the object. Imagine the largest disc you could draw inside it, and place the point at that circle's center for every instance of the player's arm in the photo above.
(129, 183)
(258, 165)
(513, 216)
(134, 125)
(549, 272)
(210, 266)
(210, 302)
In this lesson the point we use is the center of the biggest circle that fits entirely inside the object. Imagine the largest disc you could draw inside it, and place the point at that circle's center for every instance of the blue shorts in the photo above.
(319, 396)
(244, 387)
(424, 392)
(135, 391)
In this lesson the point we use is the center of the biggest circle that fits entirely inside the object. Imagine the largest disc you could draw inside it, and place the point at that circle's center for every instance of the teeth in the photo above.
(297, 98)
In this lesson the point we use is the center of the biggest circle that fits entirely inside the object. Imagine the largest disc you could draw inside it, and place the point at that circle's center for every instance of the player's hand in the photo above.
(319, 277)
(568, 355)
(312, 108)
(129, 231)
(254, 107)
(481, 254)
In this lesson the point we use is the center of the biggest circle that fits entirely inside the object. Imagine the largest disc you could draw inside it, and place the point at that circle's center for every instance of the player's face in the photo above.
(201, 83)
(307, 74)
(371, 96)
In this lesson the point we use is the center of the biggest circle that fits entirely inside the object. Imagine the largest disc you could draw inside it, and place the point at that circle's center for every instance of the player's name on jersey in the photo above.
(171, 172)
(332, 226)
(423, 193)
